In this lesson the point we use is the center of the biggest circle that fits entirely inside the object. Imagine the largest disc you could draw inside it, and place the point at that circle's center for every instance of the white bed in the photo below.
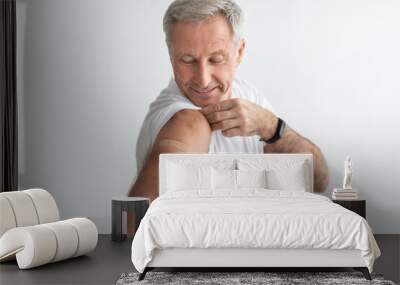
(247, 210)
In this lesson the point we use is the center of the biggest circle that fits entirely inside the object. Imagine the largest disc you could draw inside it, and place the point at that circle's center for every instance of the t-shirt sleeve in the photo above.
(161, 117)
(265, 103)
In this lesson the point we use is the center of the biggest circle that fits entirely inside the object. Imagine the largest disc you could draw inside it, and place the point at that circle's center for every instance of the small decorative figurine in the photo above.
(348, 173)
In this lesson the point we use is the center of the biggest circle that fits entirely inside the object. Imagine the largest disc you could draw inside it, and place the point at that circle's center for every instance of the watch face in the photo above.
(282, 128)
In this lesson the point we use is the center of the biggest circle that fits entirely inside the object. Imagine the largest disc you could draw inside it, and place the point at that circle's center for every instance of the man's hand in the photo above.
(238, 117)
(235, 117)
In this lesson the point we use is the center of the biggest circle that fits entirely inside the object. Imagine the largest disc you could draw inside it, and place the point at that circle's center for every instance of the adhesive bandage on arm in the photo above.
(173, 143)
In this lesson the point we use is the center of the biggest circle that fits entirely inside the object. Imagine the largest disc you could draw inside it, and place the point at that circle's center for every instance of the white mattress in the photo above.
(252, 218)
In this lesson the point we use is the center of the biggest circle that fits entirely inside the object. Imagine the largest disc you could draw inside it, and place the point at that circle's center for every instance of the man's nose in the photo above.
(203, 75)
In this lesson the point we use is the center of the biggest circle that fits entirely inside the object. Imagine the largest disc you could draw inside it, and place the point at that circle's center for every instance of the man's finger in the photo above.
(221, 106)
(220, 116)
(234, 132)
(226, 124)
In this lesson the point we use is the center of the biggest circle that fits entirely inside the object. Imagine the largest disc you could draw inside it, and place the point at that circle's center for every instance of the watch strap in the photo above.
(278, 132)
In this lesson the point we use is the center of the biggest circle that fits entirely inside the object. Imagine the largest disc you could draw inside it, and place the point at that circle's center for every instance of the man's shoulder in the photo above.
(170, 92)
(245, 90)
(170, 95)
(243, 84)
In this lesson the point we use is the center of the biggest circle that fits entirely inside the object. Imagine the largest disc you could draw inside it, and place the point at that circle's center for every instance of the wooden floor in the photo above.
(110, 260)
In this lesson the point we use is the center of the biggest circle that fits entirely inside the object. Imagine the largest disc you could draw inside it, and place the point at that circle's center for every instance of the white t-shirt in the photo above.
(171, 101)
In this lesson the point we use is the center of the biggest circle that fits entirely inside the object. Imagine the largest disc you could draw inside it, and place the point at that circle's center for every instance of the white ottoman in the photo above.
(31, 232)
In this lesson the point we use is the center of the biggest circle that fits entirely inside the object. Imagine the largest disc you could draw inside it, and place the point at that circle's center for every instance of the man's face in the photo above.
(204, 59)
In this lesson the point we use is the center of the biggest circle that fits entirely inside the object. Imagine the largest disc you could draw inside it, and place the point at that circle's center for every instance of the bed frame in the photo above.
(248, 259)
(260, 259)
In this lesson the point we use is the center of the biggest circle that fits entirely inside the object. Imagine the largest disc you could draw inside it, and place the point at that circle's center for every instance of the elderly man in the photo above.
(205, 108)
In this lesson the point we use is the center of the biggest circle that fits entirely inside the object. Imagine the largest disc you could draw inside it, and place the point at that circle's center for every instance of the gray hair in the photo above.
(198, 10)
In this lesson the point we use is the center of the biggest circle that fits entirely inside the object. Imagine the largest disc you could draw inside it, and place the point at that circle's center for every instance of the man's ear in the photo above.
(241, 48)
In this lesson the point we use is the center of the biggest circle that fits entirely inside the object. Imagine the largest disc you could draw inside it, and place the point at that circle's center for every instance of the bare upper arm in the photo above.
(189, 129)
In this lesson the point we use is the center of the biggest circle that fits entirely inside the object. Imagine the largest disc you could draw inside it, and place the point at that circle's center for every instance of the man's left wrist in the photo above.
(269, 128)
(278, 128)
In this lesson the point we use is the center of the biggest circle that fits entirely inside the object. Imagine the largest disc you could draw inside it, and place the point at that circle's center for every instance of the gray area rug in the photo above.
(273, 278)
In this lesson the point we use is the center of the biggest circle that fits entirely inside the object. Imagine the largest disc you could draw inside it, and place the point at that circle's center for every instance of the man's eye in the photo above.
(217, 59)
(187, 59)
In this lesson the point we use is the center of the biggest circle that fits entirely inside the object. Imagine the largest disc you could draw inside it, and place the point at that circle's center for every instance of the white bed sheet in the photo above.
(251, 218)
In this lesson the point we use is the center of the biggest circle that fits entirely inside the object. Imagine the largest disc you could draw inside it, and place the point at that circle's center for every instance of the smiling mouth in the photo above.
(204, 93)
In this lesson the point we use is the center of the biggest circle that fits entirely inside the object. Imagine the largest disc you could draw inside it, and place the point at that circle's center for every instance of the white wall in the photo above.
(88, 70)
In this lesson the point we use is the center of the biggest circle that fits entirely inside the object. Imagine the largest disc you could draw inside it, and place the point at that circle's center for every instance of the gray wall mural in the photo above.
(88, 70)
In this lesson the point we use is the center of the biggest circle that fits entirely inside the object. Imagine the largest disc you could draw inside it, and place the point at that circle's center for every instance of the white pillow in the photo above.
(183, 177)
(282, 174)
(291, 178)
(224, 179)
(228, 179)
(251, 178)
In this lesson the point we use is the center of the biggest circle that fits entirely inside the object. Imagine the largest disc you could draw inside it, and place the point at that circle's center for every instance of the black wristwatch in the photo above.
(278, 133)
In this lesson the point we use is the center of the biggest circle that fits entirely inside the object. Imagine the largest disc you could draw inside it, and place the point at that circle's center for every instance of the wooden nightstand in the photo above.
(357, 206)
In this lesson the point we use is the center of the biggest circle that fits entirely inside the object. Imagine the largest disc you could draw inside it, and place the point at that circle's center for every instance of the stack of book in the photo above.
(344, 194)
